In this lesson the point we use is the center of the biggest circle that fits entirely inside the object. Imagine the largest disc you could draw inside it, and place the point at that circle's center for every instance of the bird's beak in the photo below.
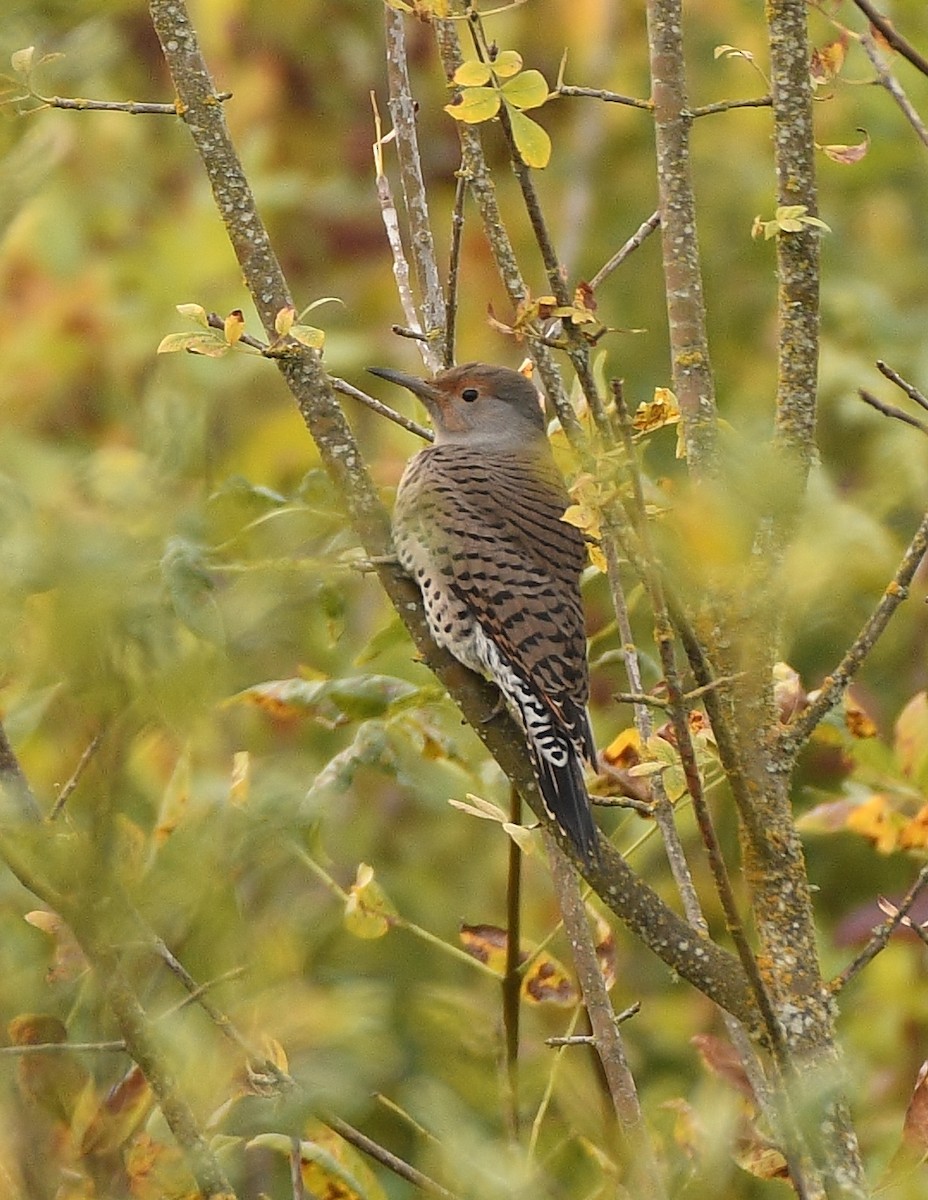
(423, 388)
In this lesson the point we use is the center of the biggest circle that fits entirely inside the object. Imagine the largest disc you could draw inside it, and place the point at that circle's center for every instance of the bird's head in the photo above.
(477, 404)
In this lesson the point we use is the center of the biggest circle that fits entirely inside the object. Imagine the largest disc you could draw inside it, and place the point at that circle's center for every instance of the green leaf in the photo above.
(475, 104)
(532, 142)
(506, 63)
(528, 89)
(308, 335)
(472, 73)
(191, 588)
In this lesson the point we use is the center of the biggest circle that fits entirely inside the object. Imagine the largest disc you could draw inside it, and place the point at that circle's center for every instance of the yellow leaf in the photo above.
(308, 335)
(827, 61)
(654, 414)
(283, 321)
(194, 312)
(875, 819)
(532, 142)
(368, 912)
(624, 751)
(911, 738)
(474, 104)
(914, 834)
(528, 89)
(211, 344)
(472, 73)
(234, 326)
(506, 63)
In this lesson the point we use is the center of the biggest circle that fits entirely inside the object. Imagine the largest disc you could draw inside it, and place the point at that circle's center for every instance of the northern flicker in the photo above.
(478, 526)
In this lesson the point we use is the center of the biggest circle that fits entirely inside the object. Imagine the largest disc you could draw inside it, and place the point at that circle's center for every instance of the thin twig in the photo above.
(65, 793)
(890, 410)
(894, 87)
(297, 1190)
(115, 1047)
(565, 89)
(608, 1039)
(909, 388)
(892, 36)
(881, 934)
(374, 1150)
(644, 231)
(720, 106)
(512, 977)
(391, 225)
(836, 684)
(686, 312)
(421, 241)
(135, 107)
(382, 409)
(454, 266)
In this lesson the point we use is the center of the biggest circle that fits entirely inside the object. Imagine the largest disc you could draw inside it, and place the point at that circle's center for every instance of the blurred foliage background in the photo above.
(167, 541)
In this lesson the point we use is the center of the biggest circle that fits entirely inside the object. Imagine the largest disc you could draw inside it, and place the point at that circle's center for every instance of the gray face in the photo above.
(478, 404)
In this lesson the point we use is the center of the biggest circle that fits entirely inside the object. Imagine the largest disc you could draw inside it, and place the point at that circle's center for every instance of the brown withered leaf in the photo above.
(120, 1114)
(789, 696)
(604, 946)
(547, 982)
(848, 155)
(486, 943)
(759, 1156)
(68, 961)
(915, 1126)
(157, 1171)
(720, 1056)
(826, 61)
(858, 721)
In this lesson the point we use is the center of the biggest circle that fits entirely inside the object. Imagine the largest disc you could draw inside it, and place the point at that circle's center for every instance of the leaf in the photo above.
(234, 326)
(655, 414)
(827, 61)
(474, 104)
(308, 335)
(506, 63)
(876, 820)
(194, 312)
(624, 751)
(240, 780)
(720, 1056)
(331, 702)
(604, 946)
(211, 344)
(368, 912)
(486, 943)
(119, 1115)
(911, 739)
(323, 1171)
(68, 961)
(531, 141)
(21, 60)
(915, 1126)
(284, 319)
(547, 982)
(528, 89)
(480, 808)
(848, 155)
(472, 73)
(192, 589)
(914, 834)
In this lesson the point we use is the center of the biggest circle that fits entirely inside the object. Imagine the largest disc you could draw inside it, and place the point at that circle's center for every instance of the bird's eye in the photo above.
(470, 395)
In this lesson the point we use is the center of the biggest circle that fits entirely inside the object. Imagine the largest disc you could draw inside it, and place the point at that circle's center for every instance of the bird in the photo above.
(478, 525)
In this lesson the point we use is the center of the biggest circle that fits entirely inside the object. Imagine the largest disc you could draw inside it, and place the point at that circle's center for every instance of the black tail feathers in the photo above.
(567, 802)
